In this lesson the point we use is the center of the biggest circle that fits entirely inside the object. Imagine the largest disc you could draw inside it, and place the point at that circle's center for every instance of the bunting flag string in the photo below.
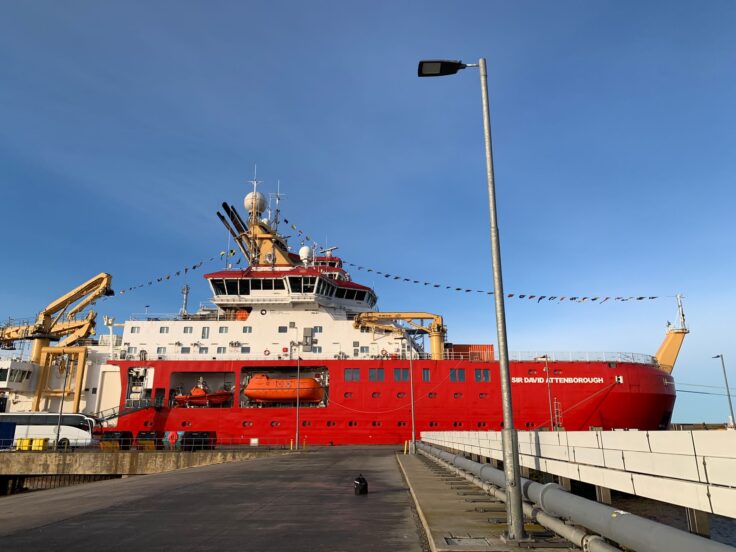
(599, 299)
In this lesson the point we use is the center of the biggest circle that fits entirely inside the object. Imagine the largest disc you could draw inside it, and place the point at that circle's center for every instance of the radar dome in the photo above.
(255, 201)
(305, 253)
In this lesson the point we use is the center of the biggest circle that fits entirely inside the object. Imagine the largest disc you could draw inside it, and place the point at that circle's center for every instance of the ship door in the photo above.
(3, 403)
(159, 397)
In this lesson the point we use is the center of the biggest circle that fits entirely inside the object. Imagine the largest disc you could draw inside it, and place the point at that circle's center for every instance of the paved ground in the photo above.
(298, 502)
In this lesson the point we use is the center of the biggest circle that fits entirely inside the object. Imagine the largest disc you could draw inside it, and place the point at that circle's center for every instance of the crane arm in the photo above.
(86, 293)
(381, 321)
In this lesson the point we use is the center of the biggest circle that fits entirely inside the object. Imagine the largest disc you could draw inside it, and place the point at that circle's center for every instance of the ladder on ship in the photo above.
(103, 417)
(558, 414)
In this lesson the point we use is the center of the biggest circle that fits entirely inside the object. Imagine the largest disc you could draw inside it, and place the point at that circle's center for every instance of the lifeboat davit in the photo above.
(261, 388)
(200, 397)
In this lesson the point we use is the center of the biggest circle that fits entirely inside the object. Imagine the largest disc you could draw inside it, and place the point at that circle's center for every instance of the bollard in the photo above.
(360, 485)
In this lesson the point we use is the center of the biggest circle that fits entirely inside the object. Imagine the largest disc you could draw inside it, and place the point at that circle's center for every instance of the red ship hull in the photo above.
(359, 408)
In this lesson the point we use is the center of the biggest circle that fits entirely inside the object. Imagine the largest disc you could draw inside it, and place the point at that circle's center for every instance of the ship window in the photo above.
(426, 375)
(364, 350)
(231, 286)
(330, 423)
(244, 287)
(316, 348)
(245, 350)
(221, 350)
(247, 329)
(135, 329)
(401, 424)
(350, 294)
(308, 284)
(482, 375)
(360, 295)
(218, 286)
(205, 332)
(375, 394)
(3, 374)
(317, 329)
(279, 284)
(132, 350)
(283, 329)
(188, 329)
(351, 423)
(340, 293)
(247, 423)
(457, 396)
(222, 329)
(376, 423)
(185, 350)
(295, 283)
(531, 372)
(433, 424)
(400, 395)
(375, 374)
(481, 424)
(401, 374)
(307, 423)
(267, 285)
(94, 390)
(352, 374)
(483, 395)
(556, 371)
(457, 424)
(457, 374)
(163, 329)
(275, 423)
(255, 285)
(432, 395)
(160, 350)
(204, 350)
(348, 395)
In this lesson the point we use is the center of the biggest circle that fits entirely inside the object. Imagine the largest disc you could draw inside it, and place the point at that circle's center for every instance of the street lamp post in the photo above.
(549, 393)
(728, 391)
(413, 442)
(295, 345)
(514, 515)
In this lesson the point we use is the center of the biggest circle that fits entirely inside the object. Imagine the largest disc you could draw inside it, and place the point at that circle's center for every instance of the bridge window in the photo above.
(218, 286)
(401, 374)
(375, 374)
(426, 376)
(279, 284)
(352, 374)
(457, 374)
(340, 293)
(231, 286)
(295, 283)
(482, 375)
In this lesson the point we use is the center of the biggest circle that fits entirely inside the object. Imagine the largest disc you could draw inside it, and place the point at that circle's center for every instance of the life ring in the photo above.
(266, 352)
(263, 311)
(384, 352)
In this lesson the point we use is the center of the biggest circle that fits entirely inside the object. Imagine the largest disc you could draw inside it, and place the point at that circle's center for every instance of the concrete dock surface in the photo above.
(298, 502)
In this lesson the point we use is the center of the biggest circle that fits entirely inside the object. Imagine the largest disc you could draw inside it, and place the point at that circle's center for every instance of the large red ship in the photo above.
(294, 349)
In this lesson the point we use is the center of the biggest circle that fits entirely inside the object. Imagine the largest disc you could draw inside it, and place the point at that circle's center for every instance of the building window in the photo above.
(221, 350)
(222, 329)
(204, 350)
(317, 329)
(135, 329)
(283, 329)
(401, 374)
(247, 329)
(186, 350)
(188, 329)
(375, 374)
(457, 374)
(316, 348)
(205, 332)
(245, 350)
(482, 375)
(163, 329)
(160, 350)
(364, 350)
(426, 376)
(352, 374)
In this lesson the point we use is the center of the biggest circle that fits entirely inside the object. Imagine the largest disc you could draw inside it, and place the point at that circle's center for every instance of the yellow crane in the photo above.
(59, 322)
(669, 350)
(435, 327)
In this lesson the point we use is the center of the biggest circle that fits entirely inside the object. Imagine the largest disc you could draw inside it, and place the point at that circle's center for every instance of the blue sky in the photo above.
(124, 126)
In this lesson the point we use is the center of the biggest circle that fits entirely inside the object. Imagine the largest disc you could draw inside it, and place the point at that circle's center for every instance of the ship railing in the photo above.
(581, 356)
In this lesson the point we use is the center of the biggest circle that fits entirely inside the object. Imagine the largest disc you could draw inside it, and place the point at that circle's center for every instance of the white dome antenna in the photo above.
(305, 254)
(255, 204)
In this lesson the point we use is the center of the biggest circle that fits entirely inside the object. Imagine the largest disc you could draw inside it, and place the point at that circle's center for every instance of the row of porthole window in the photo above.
(353, 423)
(482, 375)
(402, 395)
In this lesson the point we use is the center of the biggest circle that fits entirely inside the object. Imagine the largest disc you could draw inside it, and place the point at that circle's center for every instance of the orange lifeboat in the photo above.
(261, 388)
(201, 396)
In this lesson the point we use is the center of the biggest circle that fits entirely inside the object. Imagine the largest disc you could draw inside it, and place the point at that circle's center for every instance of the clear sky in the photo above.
(123, 126)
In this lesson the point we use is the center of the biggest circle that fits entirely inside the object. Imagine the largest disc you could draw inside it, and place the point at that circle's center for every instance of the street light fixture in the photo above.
(514, 515)
(728, 391)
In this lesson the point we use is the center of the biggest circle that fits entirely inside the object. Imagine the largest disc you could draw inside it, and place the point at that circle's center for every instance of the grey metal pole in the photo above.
(514, 512)
(65, 360)
(298, 380)
(413, 444)
(728, 391)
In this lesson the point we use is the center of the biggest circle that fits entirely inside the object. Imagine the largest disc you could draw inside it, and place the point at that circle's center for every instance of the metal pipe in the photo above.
(728, 391)
(626, 529)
